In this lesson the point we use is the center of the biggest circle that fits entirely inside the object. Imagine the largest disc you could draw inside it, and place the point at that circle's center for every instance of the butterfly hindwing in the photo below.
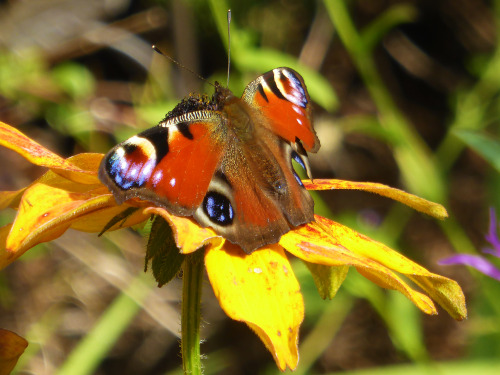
(255, 193)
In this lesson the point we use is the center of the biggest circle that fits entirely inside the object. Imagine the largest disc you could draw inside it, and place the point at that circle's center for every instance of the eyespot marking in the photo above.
(218, 208)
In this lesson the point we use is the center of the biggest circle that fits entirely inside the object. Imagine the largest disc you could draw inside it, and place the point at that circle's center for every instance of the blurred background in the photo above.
(406, 93)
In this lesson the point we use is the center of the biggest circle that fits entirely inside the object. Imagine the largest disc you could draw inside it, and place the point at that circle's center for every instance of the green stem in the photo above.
(413, 156)
(411, 152)
(191, 312)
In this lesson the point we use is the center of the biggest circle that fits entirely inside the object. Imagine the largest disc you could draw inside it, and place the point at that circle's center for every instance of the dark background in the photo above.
(80, 76)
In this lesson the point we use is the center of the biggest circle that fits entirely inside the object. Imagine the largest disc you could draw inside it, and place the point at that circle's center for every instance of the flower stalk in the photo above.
(191, 312)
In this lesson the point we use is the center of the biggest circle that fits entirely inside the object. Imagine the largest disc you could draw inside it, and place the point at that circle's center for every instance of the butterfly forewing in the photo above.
(281, 96)
(171, 164)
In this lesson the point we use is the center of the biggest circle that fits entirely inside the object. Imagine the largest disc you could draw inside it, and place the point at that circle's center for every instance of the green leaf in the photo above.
(165, 256)
(74, 79)
(387, 21)
(486, 146)
(120, 217)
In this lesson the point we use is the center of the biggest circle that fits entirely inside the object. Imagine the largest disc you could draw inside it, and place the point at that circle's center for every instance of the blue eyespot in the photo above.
(299, 160)
(296, 157)
(218, 208)
(125, 173)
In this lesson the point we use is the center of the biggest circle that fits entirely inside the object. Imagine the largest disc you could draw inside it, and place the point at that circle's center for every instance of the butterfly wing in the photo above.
(171, 164)
(282, 97)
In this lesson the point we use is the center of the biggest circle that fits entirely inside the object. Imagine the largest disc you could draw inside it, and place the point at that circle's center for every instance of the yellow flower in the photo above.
(260, 288)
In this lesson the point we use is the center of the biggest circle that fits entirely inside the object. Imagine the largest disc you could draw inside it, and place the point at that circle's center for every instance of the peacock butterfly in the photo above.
(226, 161)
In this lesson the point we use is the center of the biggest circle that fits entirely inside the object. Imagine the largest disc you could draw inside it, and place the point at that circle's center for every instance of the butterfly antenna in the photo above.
(157, 50)
(228, 45)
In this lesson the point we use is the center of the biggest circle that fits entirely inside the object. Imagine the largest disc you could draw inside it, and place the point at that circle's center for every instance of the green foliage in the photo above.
(166, 259)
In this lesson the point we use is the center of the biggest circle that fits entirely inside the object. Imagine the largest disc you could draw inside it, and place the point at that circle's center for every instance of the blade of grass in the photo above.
(486, 367)
(90, 352)
(249, 58)
(412, 154)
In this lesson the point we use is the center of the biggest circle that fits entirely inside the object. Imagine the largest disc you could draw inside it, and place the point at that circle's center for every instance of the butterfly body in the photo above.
(227, 161)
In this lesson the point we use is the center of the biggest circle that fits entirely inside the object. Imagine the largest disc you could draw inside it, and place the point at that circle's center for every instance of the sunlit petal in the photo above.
(95, 221)
(189, 236)
(322, 248)
(261, 290)
(35, 153)
(88, 164)
(43, 207)
(10, 198)
(444, 291)
(419, 204)
(51, 178)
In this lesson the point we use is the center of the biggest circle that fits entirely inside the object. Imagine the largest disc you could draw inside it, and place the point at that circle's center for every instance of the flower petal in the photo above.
(10, 198)
(4, 254)
(492, 236)
(31, 150)
(478, 262)
(189, 236)
(95, 221)
(88, 164)
(11, 348)
(315, 244)
(417, 203)
(47, 210)
(261, 290)
(444, 291)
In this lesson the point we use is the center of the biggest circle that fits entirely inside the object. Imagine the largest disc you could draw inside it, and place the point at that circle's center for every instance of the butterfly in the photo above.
(226, 161)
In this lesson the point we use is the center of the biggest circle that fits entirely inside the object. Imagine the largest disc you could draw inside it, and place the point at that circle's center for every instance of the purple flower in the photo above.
(479, 262)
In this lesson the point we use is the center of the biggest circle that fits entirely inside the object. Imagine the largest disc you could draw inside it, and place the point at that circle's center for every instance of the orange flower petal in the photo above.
(9, 198)
(417, 203)
(189, 236)
(88, 164)
(44, 208)
(11, 348)
(444, 291)
(314, 244)
(31, 150)
(261, 290)
(95, 221)
(7, 256)
(51, 178)
(4, 254)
